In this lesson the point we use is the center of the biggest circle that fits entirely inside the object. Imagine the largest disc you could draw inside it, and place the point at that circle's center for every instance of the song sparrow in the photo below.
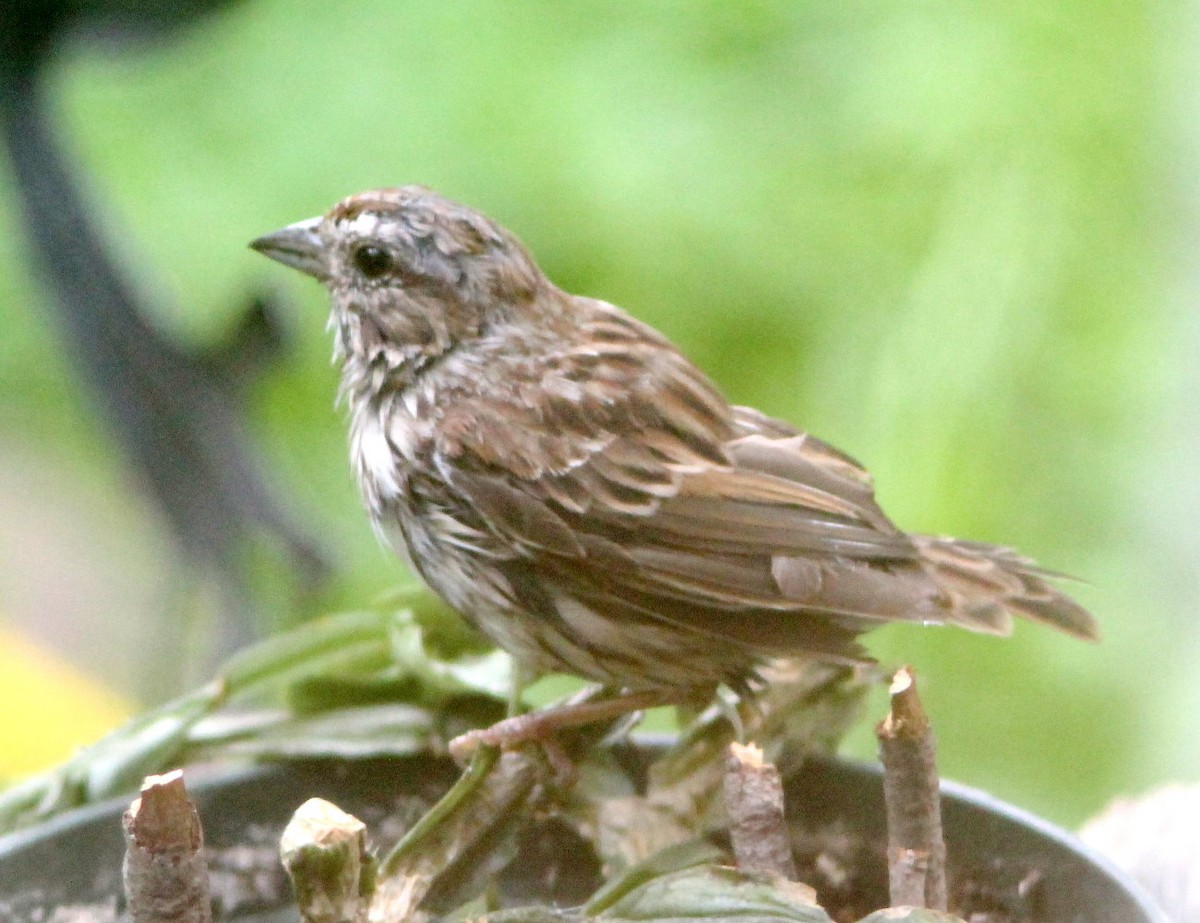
(561, 475)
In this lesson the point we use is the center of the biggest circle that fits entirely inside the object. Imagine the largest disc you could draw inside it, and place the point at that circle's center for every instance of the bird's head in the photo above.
(411, 274)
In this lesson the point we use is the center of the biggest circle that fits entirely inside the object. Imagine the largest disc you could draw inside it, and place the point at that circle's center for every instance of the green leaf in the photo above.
(121, 760)
(324, 667)
(910, 915)
(360, 732)
(707, 892)
(713, 892)
(349, 641)
(680, 857)
(116, 762)
(490, 674)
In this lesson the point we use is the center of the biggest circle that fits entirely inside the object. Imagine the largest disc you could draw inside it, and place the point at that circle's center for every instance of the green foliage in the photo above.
(350, 685)
(716, 893)
(930, 234)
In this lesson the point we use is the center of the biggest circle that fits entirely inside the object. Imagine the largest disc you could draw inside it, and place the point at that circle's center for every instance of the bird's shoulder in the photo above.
(540, 401)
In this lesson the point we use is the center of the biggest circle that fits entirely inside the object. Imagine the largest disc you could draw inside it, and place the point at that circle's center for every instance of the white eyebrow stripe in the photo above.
(365, 224)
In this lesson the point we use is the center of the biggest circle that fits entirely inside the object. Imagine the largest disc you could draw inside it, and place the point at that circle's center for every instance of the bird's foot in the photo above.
(542, 726)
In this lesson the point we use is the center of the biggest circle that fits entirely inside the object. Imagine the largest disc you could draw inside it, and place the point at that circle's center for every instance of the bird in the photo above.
(583, 494)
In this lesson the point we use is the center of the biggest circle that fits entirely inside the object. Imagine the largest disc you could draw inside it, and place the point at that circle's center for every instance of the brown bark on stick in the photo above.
(165, 875)
(754, 803)
(916, 850)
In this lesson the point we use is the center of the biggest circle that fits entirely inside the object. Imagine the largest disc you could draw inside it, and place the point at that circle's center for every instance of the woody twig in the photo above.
(916, 850)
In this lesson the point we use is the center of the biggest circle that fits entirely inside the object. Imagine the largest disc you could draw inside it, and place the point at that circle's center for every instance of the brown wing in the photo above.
(623, 479)
(678, 509)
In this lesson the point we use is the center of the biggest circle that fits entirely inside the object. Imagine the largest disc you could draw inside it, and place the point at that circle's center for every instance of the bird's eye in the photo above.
(371, 261)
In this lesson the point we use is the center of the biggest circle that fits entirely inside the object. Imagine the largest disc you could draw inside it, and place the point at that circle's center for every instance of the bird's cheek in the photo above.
(418, 329)
(369, 335)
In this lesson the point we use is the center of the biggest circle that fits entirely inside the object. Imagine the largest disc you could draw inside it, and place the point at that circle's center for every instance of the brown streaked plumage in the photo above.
(565, 478)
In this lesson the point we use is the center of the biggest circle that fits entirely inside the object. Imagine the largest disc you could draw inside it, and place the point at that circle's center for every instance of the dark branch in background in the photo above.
(916, 849)
(176, 415)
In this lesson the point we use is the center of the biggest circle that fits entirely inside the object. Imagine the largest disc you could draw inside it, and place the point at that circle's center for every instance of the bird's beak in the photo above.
(298, 245)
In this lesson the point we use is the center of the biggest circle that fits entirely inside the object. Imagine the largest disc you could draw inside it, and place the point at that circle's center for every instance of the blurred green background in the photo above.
(956, 240)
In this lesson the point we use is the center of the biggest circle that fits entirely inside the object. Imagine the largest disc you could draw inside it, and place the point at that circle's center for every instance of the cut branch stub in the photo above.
(324, 852)
(916, 850)
(165, 875)
(754, 803)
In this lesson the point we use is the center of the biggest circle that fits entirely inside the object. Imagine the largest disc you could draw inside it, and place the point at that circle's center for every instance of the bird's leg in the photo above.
(520, 679)
(541, 725)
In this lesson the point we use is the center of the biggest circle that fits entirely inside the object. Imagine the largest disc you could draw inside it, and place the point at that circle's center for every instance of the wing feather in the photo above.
(684, 511)
(625, 482)
(517, 517)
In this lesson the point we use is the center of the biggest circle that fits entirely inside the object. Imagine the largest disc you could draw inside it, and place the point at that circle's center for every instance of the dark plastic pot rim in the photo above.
(977, 826)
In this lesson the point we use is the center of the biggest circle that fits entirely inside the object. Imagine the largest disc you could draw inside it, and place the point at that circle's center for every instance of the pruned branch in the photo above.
(325, 854)
(165, 875)
(916, 850)
(754, 803)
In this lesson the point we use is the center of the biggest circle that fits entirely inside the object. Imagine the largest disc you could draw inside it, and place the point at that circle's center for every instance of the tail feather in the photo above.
(988, 584)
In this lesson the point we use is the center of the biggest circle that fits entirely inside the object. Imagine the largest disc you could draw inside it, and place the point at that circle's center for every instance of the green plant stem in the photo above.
(480, 766)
